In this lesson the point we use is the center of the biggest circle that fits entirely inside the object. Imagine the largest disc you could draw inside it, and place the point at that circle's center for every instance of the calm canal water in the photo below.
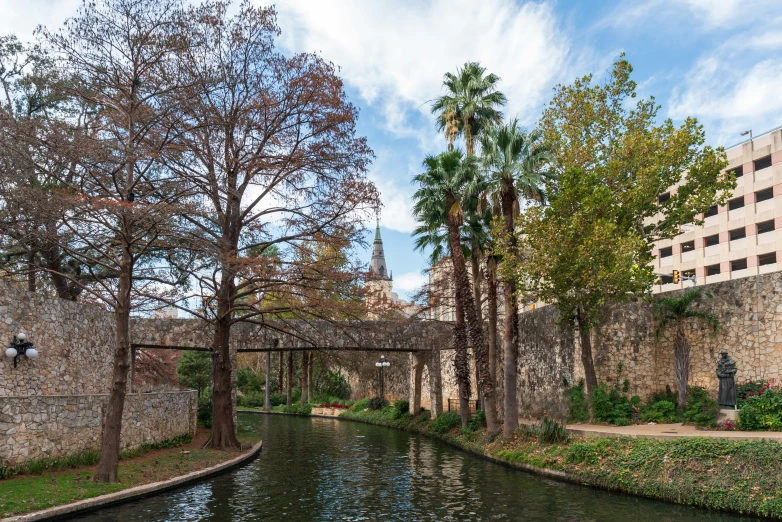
(314, 469)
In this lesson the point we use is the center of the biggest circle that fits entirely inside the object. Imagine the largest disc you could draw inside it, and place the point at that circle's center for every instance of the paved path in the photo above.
(666, 431)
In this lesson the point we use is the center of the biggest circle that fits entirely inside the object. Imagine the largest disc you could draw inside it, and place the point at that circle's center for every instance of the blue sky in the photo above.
(717, 60)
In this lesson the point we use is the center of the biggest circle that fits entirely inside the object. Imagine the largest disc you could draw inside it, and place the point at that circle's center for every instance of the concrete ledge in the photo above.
(145, 490)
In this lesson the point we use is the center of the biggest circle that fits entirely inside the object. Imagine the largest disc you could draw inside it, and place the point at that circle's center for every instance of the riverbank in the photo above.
(730, 475)
(40, 488)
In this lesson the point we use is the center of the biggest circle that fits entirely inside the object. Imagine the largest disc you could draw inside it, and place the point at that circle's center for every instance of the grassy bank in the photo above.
(52, 483)
(739, 476)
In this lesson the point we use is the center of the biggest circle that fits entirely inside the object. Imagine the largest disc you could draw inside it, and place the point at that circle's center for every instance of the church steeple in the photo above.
(377, 266)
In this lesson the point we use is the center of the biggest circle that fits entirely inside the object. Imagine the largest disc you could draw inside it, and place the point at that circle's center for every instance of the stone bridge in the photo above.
(422, 339)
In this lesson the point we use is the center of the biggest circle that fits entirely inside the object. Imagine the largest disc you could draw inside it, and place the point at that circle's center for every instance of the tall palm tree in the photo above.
(676, 311)
(470, 105)
(439, 203)
(516, 164)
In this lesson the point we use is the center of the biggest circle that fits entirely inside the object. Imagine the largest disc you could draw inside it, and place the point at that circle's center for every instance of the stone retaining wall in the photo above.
(61, 425)
(749, 310)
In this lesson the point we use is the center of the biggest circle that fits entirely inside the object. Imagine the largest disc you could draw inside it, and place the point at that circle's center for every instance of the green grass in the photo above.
(739, 476)
(55, 485)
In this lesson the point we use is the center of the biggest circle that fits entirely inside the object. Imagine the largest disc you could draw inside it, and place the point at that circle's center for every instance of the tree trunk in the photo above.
(477, 277)
(310, 394)
(223, 426)
(511, 326)
(280, 371)
(491, 297)
(461, 364)
(304, 372)
(586, 352)
(681, 361)
(289, 399)
(474, 328)
(267, 404)
(112, 425)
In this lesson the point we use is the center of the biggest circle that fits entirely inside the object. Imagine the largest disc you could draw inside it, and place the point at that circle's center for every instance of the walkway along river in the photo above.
(315, 469)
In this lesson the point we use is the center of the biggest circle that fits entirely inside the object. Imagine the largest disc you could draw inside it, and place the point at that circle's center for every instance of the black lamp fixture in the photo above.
(21, 346)
(382, 364)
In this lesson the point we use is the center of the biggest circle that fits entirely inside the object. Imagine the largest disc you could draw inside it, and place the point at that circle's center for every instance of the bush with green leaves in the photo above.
(204, 413)
(249, 382)
(445, 422)
(701, 409)
(611, 405)
(377, 403)
(762, 412)
(660, 412)
(333, 384)
(476, 422)
(401, 408)
(577, 406)
(194, 370)
(361, 404)
(664, 395)
(552, 432)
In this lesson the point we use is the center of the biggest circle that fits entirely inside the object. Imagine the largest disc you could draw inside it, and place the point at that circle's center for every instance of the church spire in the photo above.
(377, 266)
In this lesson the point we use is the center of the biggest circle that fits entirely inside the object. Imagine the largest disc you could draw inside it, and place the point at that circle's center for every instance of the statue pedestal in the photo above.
(727, 414)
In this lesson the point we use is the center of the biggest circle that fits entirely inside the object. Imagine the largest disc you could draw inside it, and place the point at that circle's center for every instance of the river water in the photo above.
(314, 469)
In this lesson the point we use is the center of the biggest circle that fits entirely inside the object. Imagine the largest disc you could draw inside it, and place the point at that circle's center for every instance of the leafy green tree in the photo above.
(195, 370)
(676, 311)
(439, 203)
(594, 242)
(470, 105)
(516, 165)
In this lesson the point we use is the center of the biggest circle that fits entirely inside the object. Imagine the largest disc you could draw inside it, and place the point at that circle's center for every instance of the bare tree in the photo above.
(269, 142)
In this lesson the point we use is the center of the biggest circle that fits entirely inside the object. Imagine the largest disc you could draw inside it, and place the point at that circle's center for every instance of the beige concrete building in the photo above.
(740, 239)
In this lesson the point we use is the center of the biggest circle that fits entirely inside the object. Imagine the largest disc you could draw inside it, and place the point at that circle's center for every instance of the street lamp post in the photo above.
(21, 346)
(382, 364)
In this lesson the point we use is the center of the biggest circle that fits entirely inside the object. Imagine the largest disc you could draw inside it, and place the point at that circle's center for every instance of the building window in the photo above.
(688, 246)
(737, 171)
(662, 198)
(688, 273)
(666, 252)
(763, 195)
(666, 279)
(735, 203)
(739, 264)
(713, 210)
(712, 240)
(766, 226)
(767, 259)
(738, 233)
(713, 270)
(762, 163)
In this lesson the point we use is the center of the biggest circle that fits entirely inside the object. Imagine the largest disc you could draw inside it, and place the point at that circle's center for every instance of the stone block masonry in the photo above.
(38, 427)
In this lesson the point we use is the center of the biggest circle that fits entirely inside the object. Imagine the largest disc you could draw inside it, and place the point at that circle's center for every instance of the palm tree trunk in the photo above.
(280, 371)
(474, 330)
(304, 368)
(476, 295)
(681, 356)
(511, 329)
(590, 376)
(491, 297)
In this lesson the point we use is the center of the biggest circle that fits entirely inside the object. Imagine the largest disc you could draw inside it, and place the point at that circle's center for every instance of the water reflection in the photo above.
(324, 470)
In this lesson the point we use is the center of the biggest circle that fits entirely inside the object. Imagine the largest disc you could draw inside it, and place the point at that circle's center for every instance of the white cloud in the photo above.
(410, 281)
(21, 17)
(698, 14)
(395, 55)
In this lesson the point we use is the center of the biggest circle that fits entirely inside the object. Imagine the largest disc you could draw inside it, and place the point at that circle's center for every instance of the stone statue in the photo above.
(726, 369)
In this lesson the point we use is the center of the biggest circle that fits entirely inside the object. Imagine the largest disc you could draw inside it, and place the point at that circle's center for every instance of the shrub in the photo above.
(552, 432)
(377, 403)
(578, 409)
(750, 389)
(660, 412)
(664, 395)
(401, 408)
(334, 384)
(476, 422)
(278, 399)
(204, 413)
(762, 412)
(248, 381)
(701, 409)
(611, 406)
(360, 405)
(445, 422)
(252, 400)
